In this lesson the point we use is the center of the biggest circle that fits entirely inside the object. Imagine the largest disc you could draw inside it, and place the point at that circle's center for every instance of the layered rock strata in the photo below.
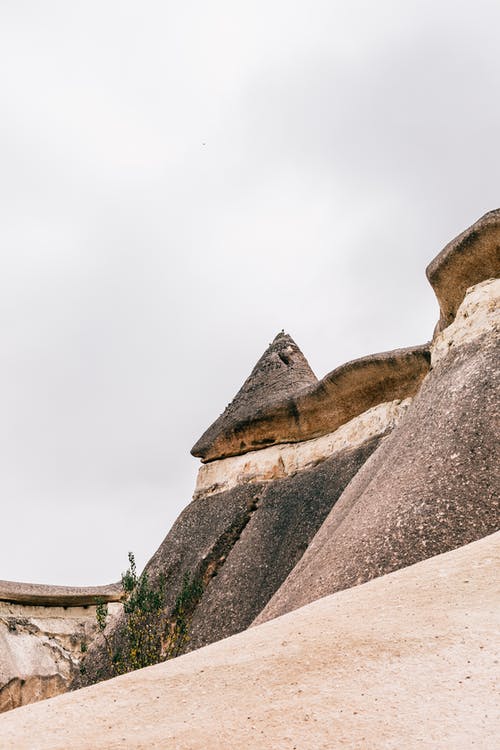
(283, 460)
(433, 484)
(253, 515)
(239, 546)
(407, 660)
(471, 257)
(320, 408)
(44, 632)
(309, 487)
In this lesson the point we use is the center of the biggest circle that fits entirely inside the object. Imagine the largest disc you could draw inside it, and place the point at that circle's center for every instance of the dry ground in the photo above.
(408, 660)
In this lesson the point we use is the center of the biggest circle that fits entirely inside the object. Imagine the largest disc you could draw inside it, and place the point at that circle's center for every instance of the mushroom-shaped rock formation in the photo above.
(471, 257)
(280, 372)
(317, 409)
(433, 484)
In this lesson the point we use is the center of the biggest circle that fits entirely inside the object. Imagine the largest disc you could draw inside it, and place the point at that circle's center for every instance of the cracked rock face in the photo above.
(432, 485)
(288, 513)
(40, 649)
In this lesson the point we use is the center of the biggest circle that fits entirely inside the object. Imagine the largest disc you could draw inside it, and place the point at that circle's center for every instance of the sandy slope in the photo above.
(405, 661)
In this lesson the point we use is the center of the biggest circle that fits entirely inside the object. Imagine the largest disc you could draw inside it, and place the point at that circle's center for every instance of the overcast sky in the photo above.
(181, 180)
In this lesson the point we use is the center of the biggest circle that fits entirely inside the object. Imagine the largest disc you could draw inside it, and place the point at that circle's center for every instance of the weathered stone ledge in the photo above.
(41, 645)
(323, 407)
(279, 461)
(58, 596)
(470, 258)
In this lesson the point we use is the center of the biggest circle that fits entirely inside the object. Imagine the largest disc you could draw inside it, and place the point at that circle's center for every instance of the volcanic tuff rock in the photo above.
(282, 370)
(320, 408)
(407, 660)
(240, 545)
(308, 487)
(471, 257)
(432, 485)
(287, 459)
(287, 514)
(43, 632)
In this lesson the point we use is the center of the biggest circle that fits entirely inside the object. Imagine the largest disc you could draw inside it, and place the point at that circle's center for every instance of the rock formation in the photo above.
(310, 487)
(404, 661)
(320, 408)
(434, 483)
(281, 371)
(44, 631)
(471, 257)
(250, 524)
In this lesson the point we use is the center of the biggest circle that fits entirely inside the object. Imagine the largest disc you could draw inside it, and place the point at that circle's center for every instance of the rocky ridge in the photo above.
(308, 487)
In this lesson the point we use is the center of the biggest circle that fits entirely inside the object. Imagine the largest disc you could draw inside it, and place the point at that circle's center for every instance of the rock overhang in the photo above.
(320, 407)
(58, 596)
(473, 256)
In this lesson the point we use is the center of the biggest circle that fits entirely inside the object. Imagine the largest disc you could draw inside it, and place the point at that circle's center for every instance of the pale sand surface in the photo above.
(409, 660)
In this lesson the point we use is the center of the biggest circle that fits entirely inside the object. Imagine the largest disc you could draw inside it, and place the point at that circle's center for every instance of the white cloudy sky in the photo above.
(181, 180)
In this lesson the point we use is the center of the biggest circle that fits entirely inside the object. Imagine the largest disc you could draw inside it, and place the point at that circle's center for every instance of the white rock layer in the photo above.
(278, 461)
(478, 314)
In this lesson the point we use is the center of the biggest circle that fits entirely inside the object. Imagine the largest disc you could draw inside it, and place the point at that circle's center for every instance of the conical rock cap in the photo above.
(281, 371)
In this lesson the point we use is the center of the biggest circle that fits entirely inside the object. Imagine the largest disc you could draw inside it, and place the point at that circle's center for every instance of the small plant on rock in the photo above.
(148, 634)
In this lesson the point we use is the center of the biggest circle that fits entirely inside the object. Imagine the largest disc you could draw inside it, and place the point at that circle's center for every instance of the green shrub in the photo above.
(148, 635)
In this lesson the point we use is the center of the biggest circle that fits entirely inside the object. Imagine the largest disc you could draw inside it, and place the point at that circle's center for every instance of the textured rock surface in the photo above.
(279, 461)
(320, 408)
(471, 257)
(40, 646)
(433, 485)
(287, 514)
(202, 534)
(478, 314)
(241, 545)
(60, 596)
(281, 371)
(408, 660)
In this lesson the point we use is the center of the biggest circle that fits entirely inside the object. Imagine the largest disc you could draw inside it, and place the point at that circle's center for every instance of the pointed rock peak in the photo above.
(281, 371)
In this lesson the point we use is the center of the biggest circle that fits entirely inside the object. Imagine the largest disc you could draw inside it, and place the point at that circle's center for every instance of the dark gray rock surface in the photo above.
(239, 546)
(431, 486)
(287, 515)
(199, 537)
